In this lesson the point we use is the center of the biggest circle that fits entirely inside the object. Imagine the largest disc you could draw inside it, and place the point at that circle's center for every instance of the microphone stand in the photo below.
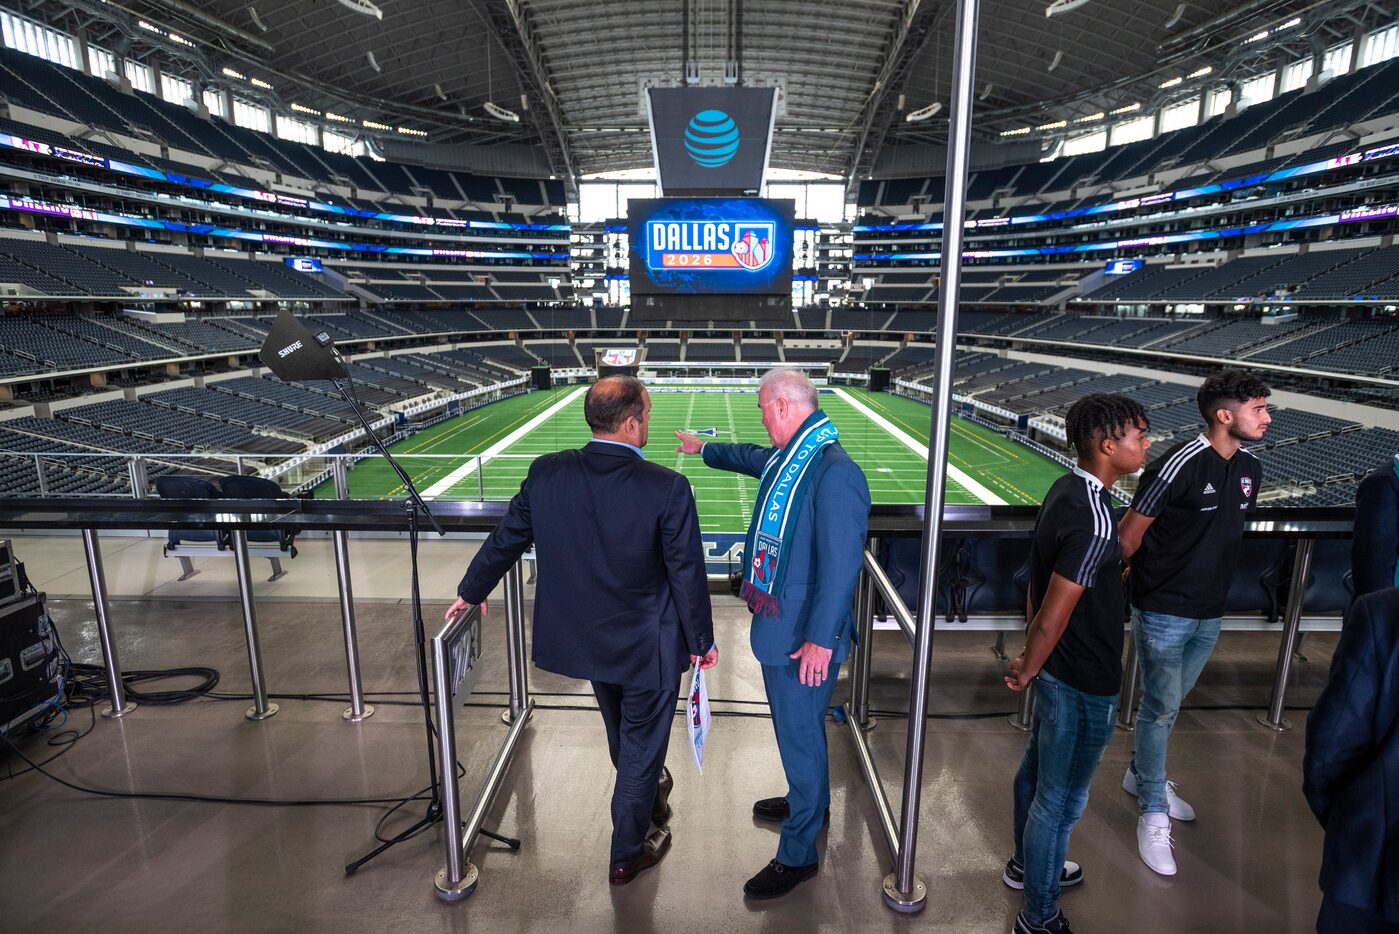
(415, 505)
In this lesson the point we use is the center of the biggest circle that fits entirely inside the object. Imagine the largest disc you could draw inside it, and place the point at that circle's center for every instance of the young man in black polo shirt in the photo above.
(1181, 538)
(1073, 651)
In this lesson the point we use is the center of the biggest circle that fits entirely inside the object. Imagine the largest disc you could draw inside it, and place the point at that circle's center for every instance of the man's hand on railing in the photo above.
(689, 444)
(459, 609)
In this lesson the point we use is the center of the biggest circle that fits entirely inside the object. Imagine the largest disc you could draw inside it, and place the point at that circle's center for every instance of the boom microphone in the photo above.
(294, 352)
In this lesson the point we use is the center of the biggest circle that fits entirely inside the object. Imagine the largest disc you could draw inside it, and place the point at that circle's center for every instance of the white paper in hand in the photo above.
(698, 717)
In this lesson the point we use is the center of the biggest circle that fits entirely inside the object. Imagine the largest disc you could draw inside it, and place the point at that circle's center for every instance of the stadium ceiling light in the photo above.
(373, 62)
(926, 113)
(500, 113)
(1171, 82)
(363, 6)
(1056, 125)
(440, 93)
(1201, 72)
(1019, 131)
(235, 74)
(1089, 118)
(259, 83)
(337, 118)
(303, 109)
(409, 131)
(1054, 63)
(257, 20)
(375, 126)
(1177, 16)
(985, 92)
(1063, 6)
(1130, 108)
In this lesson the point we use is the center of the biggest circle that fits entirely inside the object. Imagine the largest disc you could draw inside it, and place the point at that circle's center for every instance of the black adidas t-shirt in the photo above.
(1200, 502)
(1075, 537)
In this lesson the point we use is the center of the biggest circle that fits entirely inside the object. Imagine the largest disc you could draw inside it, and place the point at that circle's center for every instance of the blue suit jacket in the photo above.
(622, 595)
(824, 552)
(1375, 548)
(1351, 767)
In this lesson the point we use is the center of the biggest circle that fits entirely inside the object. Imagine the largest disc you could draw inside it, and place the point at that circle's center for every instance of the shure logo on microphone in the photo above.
(293, 347)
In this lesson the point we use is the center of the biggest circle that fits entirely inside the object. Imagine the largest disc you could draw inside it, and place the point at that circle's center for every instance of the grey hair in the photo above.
(792, 385)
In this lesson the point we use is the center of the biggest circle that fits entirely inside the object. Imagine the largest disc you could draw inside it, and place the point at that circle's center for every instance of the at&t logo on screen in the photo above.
(711, 138)
(742, 245)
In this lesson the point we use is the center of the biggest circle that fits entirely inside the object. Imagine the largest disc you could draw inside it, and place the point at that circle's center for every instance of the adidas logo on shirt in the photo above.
(1209, 488)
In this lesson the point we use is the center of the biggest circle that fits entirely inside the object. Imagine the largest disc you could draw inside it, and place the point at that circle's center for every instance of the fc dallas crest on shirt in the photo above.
(1246, 484)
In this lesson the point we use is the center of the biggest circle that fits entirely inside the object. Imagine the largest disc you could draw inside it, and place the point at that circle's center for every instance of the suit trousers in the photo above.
(799, 720)
(638, 725)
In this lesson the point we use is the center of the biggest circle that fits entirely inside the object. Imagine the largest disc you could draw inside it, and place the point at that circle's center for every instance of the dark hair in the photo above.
(1102, 415)
(611, 401)
(1236, 386)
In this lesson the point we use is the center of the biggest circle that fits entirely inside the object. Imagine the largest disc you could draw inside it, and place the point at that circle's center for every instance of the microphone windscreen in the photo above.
(293, 352)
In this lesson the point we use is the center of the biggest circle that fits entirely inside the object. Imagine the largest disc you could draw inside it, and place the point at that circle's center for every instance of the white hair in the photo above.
(792, 385)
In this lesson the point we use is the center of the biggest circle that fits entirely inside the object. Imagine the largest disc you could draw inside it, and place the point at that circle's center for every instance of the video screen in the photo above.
(710, 246)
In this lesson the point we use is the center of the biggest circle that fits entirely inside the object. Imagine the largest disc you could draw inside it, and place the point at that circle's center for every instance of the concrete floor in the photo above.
(75, 861)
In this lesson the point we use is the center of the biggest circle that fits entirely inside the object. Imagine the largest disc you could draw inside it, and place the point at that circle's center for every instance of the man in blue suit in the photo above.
(1351, 772)
(622, 598)
(804, 551)
(1375, 548)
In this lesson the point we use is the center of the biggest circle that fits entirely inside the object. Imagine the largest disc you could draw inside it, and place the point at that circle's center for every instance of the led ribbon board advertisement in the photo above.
(711, 141)
(711, 246)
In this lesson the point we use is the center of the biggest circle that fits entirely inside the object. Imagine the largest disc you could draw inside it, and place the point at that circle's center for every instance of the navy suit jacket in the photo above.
(823, 553)
(1375, 548)
(1351, 767)
(622, 595)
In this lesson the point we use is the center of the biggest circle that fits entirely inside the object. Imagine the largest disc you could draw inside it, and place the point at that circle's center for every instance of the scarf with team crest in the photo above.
(785, 482)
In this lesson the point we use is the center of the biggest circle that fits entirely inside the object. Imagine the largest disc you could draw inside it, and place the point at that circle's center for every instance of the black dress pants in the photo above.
(638, 725)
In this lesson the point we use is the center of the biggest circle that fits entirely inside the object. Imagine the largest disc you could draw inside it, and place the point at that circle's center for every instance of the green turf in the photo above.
(516, 430)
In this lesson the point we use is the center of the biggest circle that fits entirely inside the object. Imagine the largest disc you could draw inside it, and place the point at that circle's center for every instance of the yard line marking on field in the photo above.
(956, 473)
(468, 468)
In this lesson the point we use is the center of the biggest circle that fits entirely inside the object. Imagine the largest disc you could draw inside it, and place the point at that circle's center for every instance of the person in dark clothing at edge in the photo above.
(1073, 651)
(1351, 772)
(1181, 539)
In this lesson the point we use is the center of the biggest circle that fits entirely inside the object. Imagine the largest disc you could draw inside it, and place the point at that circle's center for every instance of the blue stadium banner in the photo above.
(711, 141)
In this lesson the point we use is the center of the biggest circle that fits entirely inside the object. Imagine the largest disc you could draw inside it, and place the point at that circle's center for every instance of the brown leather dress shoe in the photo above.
(653, 850)
(661, 812)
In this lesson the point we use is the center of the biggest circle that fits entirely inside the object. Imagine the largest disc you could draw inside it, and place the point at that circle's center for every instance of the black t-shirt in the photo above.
(1200, 502)
(1075, 537)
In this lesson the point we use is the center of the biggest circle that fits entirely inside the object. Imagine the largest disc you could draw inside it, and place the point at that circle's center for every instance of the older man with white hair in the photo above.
(803, 553)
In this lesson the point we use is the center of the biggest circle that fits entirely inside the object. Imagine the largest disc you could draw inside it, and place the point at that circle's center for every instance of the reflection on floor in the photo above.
(74, 861)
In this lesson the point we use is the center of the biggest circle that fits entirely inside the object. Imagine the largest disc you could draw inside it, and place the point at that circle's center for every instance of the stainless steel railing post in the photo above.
(261, 709)
(1292, 622)
(119, 706)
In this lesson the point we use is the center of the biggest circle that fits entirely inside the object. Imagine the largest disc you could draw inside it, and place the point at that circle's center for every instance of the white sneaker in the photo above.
(1177, 807)
(1154, 843)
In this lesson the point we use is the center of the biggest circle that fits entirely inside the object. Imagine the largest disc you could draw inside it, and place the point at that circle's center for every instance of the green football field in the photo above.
(487, 451)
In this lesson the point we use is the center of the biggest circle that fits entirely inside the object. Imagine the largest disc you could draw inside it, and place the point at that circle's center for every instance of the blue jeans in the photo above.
(1172, 651)
(1067, 738)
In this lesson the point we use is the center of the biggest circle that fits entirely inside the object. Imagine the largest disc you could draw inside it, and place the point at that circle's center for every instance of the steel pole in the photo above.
(261, 709)
(358, 709)
(902, 890)
(1301, 568)
(864, 632)
(119, 706)
(515, 660)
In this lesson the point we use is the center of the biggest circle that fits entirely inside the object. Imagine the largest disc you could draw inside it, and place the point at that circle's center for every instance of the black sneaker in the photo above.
(1014, 876)
(776, 879)
(1055, 925)
(776, 810)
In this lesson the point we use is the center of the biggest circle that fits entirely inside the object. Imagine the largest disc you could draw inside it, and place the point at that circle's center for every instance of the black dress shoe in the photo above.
(661, 812)
(776, 810)
(653, 850)
(776, 880)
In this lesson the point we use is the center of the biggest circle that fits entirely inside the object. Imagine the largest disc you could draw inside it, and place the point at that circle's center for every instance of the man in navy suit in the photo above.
(622, 598)
(800, 573)
(1351, 772)
(1375, 548)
